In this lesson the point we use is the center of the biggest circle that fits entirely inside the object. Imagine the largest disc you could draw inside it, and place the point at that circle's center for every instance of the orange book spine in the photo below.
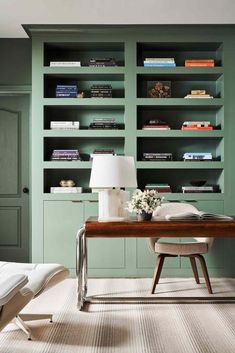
(197, 64)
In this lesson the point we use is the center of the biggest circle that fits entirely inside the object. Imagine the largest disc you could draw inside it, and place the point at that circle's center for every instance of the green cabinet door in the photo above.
(106, 257)
(62, 219)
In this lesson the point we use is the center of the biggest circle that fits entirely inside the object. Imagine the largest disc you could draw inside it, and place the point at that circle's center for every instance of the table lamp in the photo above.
(110, 173)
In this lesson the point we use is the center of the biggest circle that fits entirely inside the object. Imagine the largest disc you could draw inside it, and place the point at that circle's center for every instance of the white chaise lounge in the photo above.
(21, 282)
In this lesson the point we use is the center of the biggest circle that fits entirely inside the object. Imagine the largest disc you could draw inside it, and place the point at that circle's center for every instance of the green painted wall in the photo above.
(15, 62)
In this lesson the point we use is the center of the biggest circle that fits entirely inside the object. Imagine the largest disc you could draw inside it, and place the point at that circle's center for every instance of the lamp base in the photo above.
(112, 204)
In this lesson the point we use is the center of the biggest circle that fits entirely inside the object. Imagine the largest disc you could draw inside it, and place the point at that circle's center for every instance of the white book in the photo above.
(170, 60)
(65, 63)
(64, 124)
(200, 215)
(65, 190)
(203, 96)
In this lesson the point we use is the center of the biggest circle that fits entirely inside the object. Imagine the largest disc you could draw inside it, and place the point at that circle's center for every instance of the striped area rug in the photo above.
(128, 328)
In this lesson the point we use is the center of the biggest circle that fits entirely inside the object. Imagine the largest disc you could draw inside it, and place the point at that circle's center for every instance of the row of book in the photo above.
(170, 62)
(198, 93)
(101, 91)
(65, 125)
(93, 62)
(188, 156)
(160, 187)
(65, 155)
(148, 62)
(103, 123)
(159, 62)
(156, 124)
(110, 123)
(74, 154)
(166, 188)
(102, 62)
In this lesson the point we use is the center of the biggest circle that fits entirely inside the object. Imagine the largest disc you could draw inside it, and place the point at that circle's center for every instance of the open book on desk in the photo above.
(200, 215)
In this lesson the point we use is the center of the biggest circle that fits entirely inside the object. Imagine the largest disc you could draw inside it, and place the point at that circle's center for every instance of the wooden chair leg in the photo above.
(157, 271)
(205, 272)
(194, 268)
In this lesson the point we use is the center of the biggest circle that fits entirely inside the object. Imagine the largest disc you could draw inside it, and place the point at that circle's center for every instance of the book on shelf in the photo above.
(65, 190)
(200, 215)
(65, 63)
(198, 96)
(155, 124)
(200, 189)
(159, 187)
(62, 155)
(102, 62)
(65, 125)
(197, 125)
(197, 156)
(101, 91)
(199, 63)
(156, 127)
(101, 152)
(158, 64)
(157, 157)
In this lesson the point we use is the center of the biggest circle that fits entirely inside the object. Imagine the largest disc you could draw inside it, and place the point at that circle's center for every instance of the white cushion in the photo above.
(38, 274)
(10, 285)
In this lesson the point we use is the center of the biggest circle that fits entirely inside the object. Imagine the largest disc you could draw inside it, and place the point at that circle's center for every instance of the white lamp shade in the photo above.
(113, 171)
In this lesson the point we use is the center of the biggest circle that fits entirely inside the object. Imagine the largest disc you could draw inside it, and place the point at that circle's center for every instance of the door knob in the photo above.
(25, 190)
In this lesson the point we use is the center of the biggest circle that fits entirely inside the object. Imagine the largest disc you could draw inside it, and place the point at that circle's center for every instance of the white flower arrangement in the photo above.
(147, 201)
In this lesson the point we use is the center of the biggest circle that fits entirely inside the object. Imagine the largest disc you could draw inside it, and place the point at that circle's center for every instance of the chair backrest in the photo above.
(174, 208)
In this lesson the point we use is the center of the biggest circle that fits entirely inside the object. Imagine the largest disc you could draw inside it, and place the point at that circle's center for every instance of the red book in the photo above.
(197, 128)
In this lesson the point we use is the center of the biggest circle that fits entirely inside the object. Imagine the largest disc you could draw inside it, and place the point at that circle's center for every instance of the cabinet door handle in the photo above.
(93, 201)
(76, 201)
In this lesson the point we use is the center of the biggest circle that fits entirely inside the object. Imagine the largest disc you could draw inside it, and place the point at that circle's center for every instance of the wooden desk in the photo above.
(146, 229)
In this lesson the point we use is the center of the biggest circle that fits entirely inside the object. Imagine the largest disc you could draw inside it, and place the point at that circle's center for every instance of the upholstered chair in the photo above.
(193, 249)
(21, 282)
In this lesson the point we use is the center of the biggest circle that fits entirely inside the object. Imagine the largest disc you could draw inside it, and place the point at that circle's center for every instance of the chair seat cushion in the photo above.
(38, 274)
(184, 248)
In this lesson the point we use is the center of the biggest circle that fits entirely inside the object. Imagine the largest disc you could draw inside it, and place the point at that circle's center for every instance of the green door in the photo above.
(14, 178)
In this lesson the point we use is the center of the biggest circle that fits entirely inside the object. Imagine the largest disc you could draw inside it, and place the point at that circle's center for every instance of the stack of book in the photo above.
(159, 187)
(157, 156)
(65, 125)
(101, 91)
(197, 156)
(103, 123)
(65, 63)
(103, 62)
(198, 93)
(65, 155)
(200, 189)
(155, 124)
(159, 62)
(65, 190)
(66, 91)
(199, 63)
(197, 125)
(101, 152)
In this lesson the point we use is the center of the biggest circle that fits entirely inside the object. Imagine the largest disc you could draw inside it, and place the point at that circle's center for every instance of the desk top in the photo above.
(160, 228)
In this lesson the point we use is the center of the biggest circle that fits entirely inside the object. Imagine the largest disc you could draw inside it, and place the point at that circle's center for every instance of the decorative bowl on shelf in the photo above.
(198, 182)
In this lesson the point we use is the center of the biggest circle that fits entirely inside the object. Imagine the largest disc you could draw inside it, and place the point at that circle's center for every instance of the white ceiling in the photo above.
(14, 13)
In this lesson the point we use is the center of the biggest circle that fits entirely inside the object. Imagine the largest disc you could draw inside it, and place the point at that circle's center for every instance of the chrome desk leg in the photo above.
(84, 281)
(79, 266)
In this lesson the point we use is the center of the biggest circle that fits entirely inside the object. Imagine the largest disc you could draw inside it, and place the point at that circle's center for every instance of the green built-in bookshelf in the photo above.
(130, 107)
